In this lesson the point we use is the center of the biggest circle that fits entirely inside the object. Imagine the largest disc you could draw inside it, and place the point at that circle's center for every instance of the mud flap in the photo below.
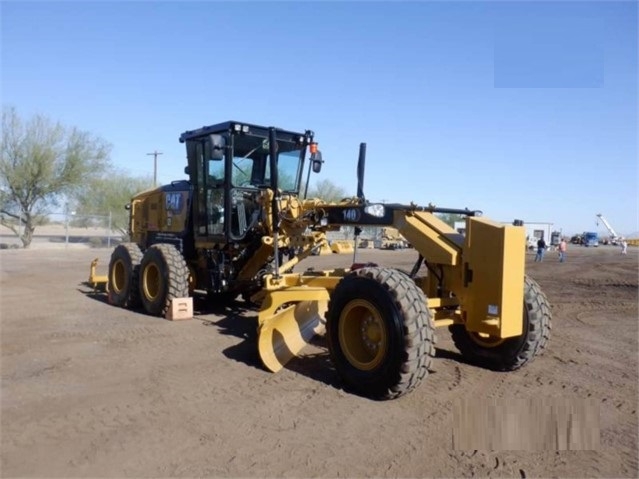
(289, 318)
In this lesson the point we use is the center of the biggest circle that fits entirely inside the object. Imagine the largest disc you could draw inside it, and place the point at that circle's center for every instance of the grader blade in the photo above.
(97, 281)
(288, 320)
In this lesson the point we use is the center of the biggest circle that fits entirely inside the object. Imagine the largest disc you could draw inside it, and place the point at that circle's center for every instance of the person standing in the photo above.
(541, 249)
(562, 250)
(624, 246)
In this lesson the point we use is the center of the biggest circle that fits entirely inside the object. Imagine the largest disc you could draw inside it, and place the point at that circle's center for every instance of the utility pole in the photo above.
(155, 166)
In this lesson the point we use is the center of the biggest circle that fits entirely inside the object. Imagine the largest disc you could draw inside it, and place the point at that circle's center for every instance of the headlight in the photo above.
(375, 210)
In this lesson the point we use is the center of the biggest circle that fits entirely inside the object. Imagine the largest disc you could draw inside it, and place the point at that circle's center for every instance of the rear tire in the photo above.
(164, 276)
(124, 268)
(380, 333)
(513, 353)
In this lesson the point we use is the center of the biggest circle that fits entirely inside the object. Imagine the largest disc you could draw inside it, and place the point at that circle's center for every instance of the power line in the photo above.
(155, 166)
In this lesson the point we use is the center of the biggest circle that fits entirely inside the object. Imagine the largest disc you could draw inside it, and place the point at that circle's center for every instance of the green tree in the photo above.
(327, 191)
(41, 162)
(106, 198)
(450, 218)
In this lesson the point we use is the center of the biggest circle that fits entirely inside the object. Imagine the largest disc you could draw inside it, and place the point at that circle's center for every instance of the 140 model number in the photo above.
(351, 215)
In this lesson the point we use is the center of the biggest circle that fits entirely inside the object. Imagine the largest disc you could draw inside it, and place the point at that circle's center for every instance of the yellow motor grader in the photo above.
(239, 225)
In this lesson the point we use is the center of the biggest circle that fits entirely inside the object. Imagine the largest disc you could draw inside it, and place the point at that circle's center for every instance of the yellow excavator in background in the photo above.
(391, 239)
(239, 225)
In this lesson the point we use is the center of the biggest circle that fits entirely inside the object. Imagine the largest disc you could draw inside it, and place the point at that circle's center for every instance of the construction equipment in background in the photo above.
(342, 246)
(366, 243)
(614, 238)
(390, 238)
(323, 250)
(239, 226)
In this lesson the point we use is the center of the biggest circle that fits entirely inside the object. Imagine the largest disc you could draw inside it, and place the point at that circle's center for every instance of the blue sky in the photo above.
(521, 110)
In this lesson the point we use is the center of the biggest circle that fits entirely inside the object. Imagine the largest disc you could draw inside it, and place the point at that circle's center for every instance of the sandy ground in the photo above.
(92, 390)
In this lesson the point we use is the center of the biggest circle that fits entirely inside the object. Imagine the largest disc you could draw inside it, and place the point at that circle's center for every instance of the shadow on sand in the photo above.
(239, 319)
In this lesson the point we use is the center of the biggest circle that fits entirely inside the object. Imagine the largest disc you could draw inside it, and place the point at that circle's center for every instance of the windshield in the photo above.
(251, 163)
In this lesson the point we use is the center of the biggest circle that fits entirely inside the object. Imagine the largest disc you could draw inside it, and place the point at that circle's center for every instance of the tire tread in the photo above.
(132, 299)
(177, 273)
(418, 327)
(535, 341)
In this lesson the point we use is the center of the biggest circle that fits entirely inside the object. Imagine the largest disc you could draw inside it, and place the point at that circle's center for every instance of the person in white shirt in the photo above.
(624, 246)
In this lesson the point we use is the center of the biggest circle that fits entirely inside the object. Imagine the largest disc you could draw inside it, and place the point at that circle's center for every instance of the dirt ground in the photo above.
(91, 390)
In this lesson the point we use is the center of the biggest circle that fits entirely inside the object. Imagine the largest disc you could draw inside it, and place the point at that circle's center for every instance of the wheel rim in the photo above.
(363, 336)
(118, 276)
(151, 281)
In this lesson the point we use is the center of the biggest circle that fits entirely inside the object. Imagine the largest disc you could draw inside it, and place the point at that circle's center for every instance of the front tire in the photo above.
(164, 276)
(513, 353)
(124, 269)
(380, 333)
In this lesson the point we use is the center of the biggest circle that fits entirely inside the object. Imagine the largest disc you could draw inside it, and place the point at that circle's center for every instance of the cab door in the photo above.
(206, 169)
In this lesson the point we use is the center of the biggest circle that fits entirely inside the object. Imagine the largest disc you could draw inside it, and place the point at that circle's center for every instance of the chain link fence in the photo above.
(66, 230)
(104, 231)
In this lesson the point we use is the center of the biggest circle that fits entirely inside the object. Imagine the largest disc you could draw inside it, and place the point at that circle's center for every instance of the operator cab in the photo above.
(229, 165)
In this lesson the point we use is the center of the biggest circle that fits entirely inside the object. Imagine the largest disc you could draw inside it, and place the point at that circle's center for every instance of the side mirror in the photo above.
(187, 171)
(316, 161)
(218, 143)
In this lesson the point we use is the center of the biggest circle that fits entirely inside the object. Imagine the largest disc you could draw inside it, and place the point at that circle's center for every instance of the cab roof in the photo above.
(232, 125)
